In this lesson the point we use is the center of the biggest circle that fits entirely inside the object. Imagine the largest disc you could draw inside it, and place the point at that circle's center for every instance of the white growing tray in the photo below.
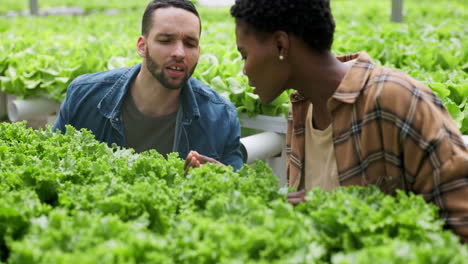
(276, 124)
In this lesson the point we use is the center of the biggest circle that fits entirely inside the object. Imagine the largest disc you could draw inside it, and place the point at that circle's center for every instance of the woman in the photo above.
(352, 122)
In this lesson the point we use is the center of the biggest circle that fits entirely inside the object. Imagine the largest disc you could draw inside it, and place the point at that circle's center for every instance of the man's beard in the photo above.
(158, 73)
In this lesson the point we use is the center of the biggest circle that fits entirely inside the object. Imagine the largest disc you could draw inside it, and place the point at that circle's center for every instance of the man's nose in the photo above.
(179, 50)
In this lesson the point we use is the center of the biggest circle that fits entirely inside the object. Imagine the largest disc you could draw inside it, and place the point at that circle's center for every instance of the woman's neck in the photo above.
(317, 76)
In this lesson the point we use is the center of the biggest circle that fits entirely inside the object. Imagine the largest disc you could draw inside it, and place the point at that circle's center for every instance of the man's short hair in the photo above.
(310, 20)
(147, 21)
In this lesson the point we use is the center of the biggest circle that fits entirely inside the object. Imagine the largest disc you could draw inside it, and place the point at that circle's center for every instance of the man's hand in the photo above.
(195, 160)
(296, 197)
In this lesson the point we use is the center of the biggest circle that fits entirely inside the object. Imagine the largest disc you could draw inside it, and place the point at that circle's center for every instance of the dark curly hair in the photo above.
(310, 20)
(147, 21)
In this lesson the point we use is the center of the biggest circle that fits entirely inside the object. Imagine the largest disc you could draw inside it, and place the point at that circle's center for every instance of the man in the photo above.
(352, 122)
(156, 104)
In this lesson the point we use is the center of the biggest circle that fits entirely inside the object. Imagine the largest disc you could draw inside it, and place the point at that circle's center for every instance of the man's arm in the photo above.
(64, 113)
(232, 154)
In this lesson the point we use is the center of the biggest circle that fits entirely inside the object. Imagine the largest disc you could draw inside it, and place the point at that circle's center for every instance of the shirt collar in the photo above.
(355, 79)
(110, 105)
(351, 85)
(189, 100)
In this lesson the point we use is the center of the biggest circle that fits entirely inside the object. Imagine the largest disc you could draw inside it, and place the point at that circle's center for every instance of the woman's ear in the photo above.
(141, 46)
(281, 39)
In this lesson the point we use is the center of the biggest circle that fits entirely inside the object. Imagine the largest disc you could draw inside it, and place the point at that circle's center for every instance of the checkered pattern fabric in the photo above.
(391, 131)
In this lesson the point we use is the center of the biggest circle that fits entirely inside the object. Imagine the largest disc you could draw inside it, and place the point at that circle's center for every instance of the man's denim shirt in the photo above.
(206, 122)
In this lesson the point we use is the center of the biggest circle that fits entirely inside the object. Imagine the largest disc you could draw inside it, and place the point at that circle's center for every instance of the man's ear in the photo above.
(281, 39)
(141, 46)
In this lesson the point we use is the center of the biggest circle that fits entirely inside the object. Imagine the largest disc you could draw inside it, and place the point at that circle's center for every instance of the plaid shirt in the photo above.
(392, 131)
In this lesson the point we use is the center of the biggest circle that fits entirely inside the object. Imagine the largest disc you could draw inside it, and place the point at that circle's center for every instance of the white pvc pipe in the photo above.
(465, 139)
(31, 109)
(262, 146)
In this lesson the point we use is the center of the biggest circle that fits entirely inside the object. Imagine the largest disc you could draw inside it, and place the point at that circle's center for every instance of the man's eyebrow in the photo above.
(193, 38)
(169, 35)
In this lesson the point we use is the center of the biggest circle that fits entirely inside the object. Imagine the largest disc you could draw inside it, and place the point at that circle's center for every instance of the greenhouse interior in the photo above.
(375, 176)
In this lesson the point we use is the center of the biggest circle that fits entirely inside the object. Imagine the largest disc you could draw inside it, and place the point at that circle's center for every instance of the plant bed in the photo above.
(70, 199)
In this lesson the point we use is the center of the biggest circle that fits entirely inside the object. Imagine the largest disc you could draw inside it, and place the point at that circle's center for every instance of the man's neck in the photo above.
(151, 98)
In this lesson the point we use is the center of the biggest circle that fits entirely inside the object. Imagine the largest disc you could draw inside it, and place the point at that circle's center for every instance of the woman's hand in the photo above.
(296, 197)
(195, 160)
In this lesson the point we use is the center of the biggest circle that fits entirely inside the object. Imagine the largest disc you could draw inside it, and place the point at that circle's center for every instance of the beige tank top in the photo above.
(320, 161)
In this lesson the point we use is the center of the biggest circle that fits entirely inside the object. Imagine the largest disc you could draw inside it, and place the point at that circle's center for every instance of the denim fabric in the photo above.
(206, 122)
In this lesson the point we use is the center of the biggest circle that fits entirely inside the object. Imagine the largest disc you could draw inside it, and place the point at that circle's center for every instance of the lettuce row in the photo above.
(66, 198)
